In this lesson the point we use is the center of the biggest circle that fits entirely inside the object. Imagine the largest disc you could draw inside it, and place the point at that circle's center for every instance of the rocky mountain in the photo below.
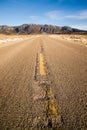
(38, 29)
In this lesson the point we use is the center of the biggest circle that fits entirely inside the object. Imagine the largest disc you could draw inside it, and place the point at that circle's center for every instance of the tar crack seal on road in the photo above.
(51, 119)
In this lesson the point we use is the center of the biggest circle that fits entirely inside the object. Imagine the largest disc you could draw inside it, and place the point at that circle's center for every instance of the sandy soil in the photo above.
(22, 98)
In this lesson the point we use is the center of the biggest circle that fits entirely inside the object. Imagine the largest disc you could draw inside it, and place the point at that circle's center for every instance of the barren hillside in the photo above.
(39, 29)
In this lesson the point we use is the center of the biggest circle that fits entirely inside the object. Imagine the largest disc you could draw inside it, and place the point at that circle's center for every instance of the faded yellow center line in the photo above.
(42, 68)
(50, 103)
(52, 108)
(50, 92)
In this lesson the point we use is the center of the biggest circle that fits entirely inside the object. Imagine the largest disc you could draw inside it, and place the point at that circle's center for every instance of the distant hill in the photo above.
(38, 29)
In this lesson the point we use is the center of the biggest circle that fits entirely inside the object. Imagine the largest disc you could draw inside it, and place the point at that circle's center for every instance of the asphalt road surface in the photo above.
(43, 85)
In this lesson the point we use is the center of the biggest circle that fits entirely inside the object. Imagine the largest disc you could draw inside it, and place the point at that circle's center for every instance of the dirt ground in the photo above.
(27, 99)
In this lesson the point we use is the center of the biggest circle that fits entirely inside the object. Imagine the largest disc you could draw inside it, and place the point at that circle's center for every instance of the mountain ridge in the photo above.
(39, 29)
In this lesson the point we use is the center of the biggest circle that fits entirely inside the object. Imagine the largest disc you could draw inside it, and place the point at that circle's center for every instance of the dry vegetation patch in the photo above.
(75, 38)
(11, 38)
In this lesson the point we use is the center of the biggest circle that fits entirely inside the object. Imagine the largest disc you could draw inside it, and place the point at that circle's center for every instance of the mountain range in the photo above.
(39, 29)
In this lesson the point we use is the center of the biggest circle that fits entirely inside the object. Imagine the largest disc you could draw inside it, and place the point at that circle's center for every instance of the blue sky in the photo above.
(56, 12)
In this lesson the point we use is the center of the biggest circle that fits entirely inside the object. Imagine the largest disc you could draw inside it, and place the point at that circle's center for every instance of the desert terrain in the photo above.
(43, 82)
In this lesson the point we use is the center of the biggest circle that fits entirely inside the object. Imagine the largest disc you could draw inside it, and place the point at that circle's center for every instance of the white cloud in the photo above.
(34, 17)
(54, 15)
(79, 15)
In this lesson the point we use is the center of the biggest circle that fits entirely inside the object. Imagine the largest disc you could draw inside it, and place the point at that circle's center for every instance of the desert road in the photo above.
(43, 85)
